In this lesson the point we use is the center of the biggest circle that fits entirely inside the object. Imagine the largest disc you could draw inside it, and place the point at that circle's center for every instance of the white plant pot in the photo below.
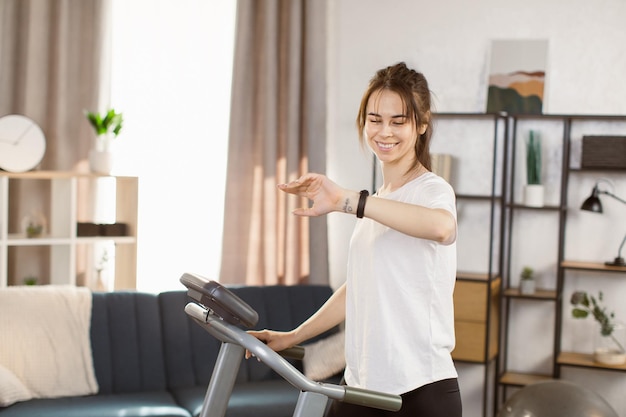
(527, 286)
(100, 162)
(533, 195)
(608, 356)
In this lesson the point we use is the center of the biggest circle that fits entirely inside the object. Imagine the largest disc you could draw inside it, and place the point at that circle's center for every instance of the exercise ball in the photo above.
(556, 399)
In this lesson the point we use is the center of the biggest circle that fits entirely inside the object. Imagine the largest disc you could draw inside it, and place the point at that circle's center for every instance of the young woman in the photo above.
(397, 300)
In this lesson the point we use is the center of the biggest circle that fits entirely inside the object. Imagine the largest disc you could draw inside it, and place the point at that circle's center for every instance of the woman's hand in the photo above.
(276, 341)
(325, 194)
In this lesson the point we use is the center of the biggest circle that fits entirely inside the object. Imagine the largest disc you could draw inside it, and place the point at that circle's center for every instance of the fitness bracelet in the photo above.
(361, 207)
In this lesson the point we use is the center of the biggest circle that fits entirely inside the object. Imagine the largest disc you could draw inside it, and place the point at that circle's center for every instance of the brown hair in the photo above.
(412, 88)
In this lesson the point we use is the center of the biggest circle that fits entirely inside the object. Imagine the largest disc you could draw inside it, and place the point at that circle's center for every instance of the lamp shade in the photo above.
(592, 203)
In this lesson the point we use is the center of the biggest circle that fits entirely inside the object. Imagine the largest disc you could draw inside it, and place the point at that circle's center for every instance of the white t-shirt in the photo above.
(399, 305)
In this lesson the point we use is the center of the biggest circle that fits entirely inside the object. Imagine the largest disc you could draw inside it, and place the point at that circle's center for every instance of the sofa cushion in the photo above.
(139, 404)
(325, 358)
(12, 389)
(49, 348)
(126, 342)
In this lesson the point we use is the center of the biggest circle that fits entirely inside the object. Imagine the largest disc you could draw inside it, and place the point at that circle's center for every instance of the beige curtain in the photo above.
(51, 69)
(277, 133)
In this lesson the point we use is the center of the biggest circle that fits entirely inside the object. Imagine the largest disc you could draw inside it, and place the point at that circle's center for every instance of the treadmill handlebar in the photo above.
(375, 399)
(229, 333)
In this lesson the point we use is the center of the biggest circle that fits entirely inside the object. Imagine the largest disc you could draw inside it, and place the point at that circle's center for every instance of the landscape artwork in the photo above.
(517, 76)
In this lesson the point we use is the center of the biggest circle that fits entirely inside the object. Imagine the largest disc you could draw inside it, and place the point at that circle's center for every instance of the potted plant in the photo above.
(30, 280)
(527, 281)
(609, 348)
(533, 190)
(34, 224)
(107, 127)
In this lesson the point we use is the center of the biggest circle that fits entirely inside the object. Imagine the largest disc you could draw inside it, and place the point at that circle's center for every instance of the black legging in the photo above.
(439, 399)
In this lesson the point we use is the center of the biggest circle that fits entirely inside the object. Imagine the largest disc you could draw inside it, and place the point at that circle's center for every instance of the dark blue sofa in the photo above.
(151, 359)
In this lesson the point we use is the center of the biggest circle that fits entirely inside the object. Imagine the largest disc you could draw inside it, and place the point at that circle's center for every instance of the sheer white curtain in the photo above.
(171, 77)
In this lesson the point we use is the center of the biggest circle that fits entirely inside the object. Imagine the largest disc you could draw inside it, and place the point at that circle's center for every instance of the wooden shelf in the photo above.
(468, 115)
(519, 206)
(50, 175)
(60, 256)
(481, 197)
(520, 379)
(585, 360)
(592, 266)
(540, 294)
(546, 116)
(474, 276)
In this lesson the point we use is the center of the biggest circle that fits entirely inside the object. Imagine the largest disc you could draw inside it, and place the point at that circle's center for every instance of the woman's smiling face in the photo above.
(389, 132)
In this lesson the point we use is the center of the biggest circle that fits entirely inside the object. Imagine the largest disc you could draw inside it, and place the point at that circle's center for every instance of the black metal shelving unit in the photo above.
(510, 294)
(488, 281)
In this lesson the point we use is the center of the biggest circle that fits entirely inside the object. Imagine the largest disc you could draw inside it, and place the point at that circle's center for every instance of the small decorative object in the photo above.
(609, 349)
(34, 224)
(527, 281)
(107, 128)
(30, 280)
(533, 190)
(102, 264)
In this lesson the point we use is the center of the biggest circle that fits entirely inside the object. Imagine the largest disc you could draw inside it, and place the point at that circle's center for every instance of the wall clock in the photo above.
(22, 143)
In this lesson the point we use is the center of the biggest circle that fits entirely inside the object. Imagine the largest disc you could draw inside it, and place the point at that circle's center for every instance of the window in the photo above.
(171, 77)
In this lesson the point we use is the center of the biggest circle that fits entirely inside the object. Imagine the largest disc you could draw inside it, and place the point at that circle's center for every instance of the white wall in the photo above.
(449, 42)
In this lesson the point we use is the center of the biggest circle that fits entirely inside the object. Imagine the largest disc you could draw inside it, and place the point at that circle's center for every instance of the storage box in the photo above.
(114, 229)
(87, 229)
(93, 229)
(604, 152)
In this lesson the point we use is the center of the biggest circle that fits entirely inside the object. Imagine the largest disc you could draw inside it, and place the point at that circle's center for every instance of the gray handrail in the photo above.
(229, 333)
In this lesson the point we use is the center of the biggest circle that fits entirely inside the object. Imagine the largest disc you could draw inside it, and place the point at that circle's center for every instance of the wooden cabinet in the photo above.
(476, 318)
(61, 253)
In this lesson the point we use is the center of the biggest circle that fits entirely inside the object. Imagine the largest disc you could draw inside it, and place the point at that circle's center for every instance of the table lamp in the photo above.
(594, 204)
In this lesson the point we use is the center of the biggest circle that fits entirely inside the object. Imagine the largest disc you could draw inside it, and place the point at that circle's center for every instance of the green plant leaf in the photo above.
(533, 159)
(589, 305)
(111, 123)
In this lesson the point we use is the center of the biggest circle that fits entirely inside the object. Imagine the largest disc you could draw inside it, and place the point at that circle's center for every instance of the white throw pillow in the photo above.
(11, 388)
(325, 358)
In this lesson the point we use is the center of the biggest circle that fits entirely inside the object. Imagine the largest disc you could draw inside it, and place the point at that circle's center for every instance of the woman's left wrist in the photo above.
(350, 202)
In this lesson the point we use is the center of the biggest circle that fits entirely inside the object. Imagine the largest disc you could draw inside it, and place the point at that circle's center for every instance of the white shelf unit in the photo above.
(59, 255)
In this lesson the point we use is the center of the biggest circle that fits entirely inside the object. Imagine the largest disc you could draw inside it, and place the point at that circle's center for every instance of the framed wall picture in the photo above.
(517, 75)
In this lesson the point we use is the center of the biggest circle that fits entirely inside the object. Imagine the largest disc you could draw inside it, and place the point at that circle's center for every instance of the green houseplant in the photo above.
(533, 190)
(107, 127)
(584, 305)
(527, 281)
(533, 159)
